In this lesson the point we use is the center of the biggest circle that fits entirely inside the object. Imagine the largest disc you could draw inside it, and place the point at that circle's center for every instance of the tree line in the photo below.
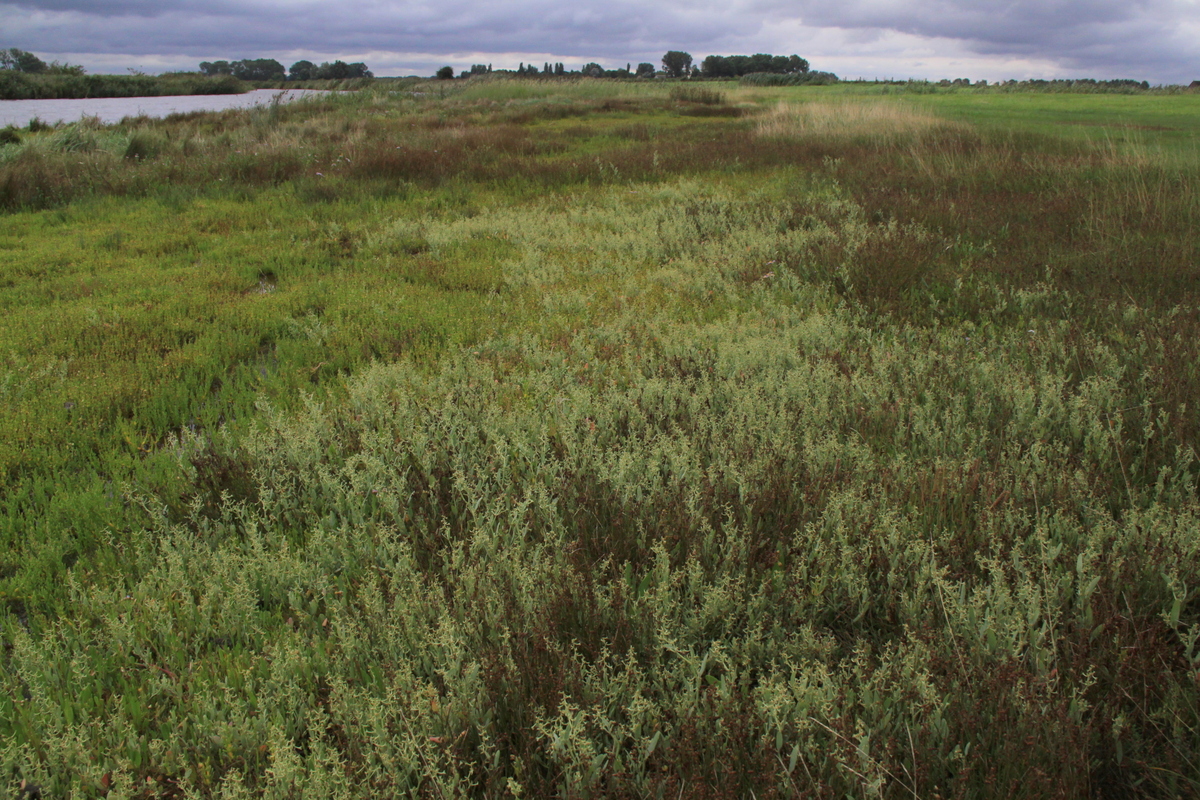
(548, 70)
(675, 64)
(24, 76)
(268, 69)
(247, 69)
(737, 66)
(678, 64)
(25, 62)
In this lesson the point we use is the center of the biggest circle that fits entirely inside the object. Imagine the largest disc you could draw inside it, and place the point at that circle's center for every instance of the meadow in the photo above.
(593, 439)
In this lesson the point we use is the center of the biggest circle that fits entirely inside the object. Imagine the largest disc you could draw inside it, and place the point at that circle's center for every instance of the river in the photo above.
(114, 109)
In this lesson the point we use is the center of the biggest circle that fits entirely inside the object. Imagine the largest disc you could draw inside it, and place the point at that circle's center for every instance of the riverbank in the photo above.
(21, 86)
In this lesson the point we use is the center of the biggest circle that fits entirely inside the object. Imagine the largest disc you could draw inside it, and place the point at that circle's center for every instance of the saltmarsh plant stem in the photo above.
(419, 746)
(857, 746)
(1120, 460)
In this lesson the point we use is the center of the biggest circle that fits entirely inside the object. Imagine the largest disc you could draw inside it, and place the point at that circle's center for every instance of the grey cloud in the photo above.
(107, 9)
(1017, 22)
(1087, 34)
(222, 29)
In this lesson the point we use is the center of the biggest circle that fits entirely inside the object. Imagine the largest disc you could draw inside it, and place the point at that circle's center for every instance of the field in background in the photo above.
(604, 439)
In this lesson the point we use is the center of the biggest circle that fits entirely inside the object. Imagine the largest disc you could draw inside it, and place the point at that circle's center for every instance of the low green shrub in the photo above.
(698, 94)
(814, 78)
(143, 145)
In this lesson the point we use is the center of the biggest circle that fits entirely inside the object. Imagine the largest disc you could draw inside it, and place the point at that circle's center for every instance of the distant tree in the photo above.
(560, 68)
(717, 67)
(445, 73)
(258, 69)
(645, 70)
(479, 69)
(677, 64)
(759, 62)
(735, 66)
(216, 67)
(22, 61)
(302, 71)
(593, 70)
(55, 68)
(337, 71)
(340, 71)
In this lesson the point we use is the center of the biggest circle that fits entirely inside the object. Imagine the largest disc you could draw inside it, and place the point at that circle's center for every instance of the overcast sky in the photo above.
(1154, 40)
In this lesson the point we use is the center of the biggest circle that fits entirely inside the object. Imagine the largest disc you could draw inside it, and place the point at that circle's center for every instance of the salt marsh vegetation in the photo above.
(593, 440)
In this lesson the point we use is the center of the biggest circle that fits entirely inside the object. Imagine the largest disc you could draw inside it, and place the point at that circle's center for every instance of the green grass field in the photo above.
(598, 439)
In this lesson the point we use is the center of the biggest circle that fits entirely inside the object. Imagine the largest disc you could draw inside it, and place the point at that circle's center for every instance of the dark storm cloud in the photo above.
(1088, 34)
(443, 27)
(1024, 22)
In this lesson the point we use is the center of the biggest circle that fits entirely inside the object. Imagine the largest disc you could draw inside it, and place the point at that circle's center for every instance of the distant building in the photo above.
(1194, 85)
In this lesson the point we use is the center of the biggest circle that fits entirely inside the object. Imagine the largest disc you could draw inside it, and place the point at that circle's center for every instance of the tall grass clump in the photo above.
(813, 78)
(697, 94)
(878, 122)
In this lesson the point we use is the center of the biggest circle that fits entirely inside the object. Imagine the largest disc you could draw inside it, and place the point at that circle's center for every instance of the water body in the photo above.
(114, 109)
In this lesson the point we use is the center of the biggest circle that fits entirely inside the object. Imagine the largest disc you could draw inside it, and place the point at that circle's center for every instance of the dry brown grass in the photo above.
(877, 119)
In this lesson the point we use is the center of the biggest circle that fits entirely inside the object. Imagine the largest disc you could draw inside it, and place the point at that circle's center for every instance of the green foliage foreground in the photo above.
(599, 443)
